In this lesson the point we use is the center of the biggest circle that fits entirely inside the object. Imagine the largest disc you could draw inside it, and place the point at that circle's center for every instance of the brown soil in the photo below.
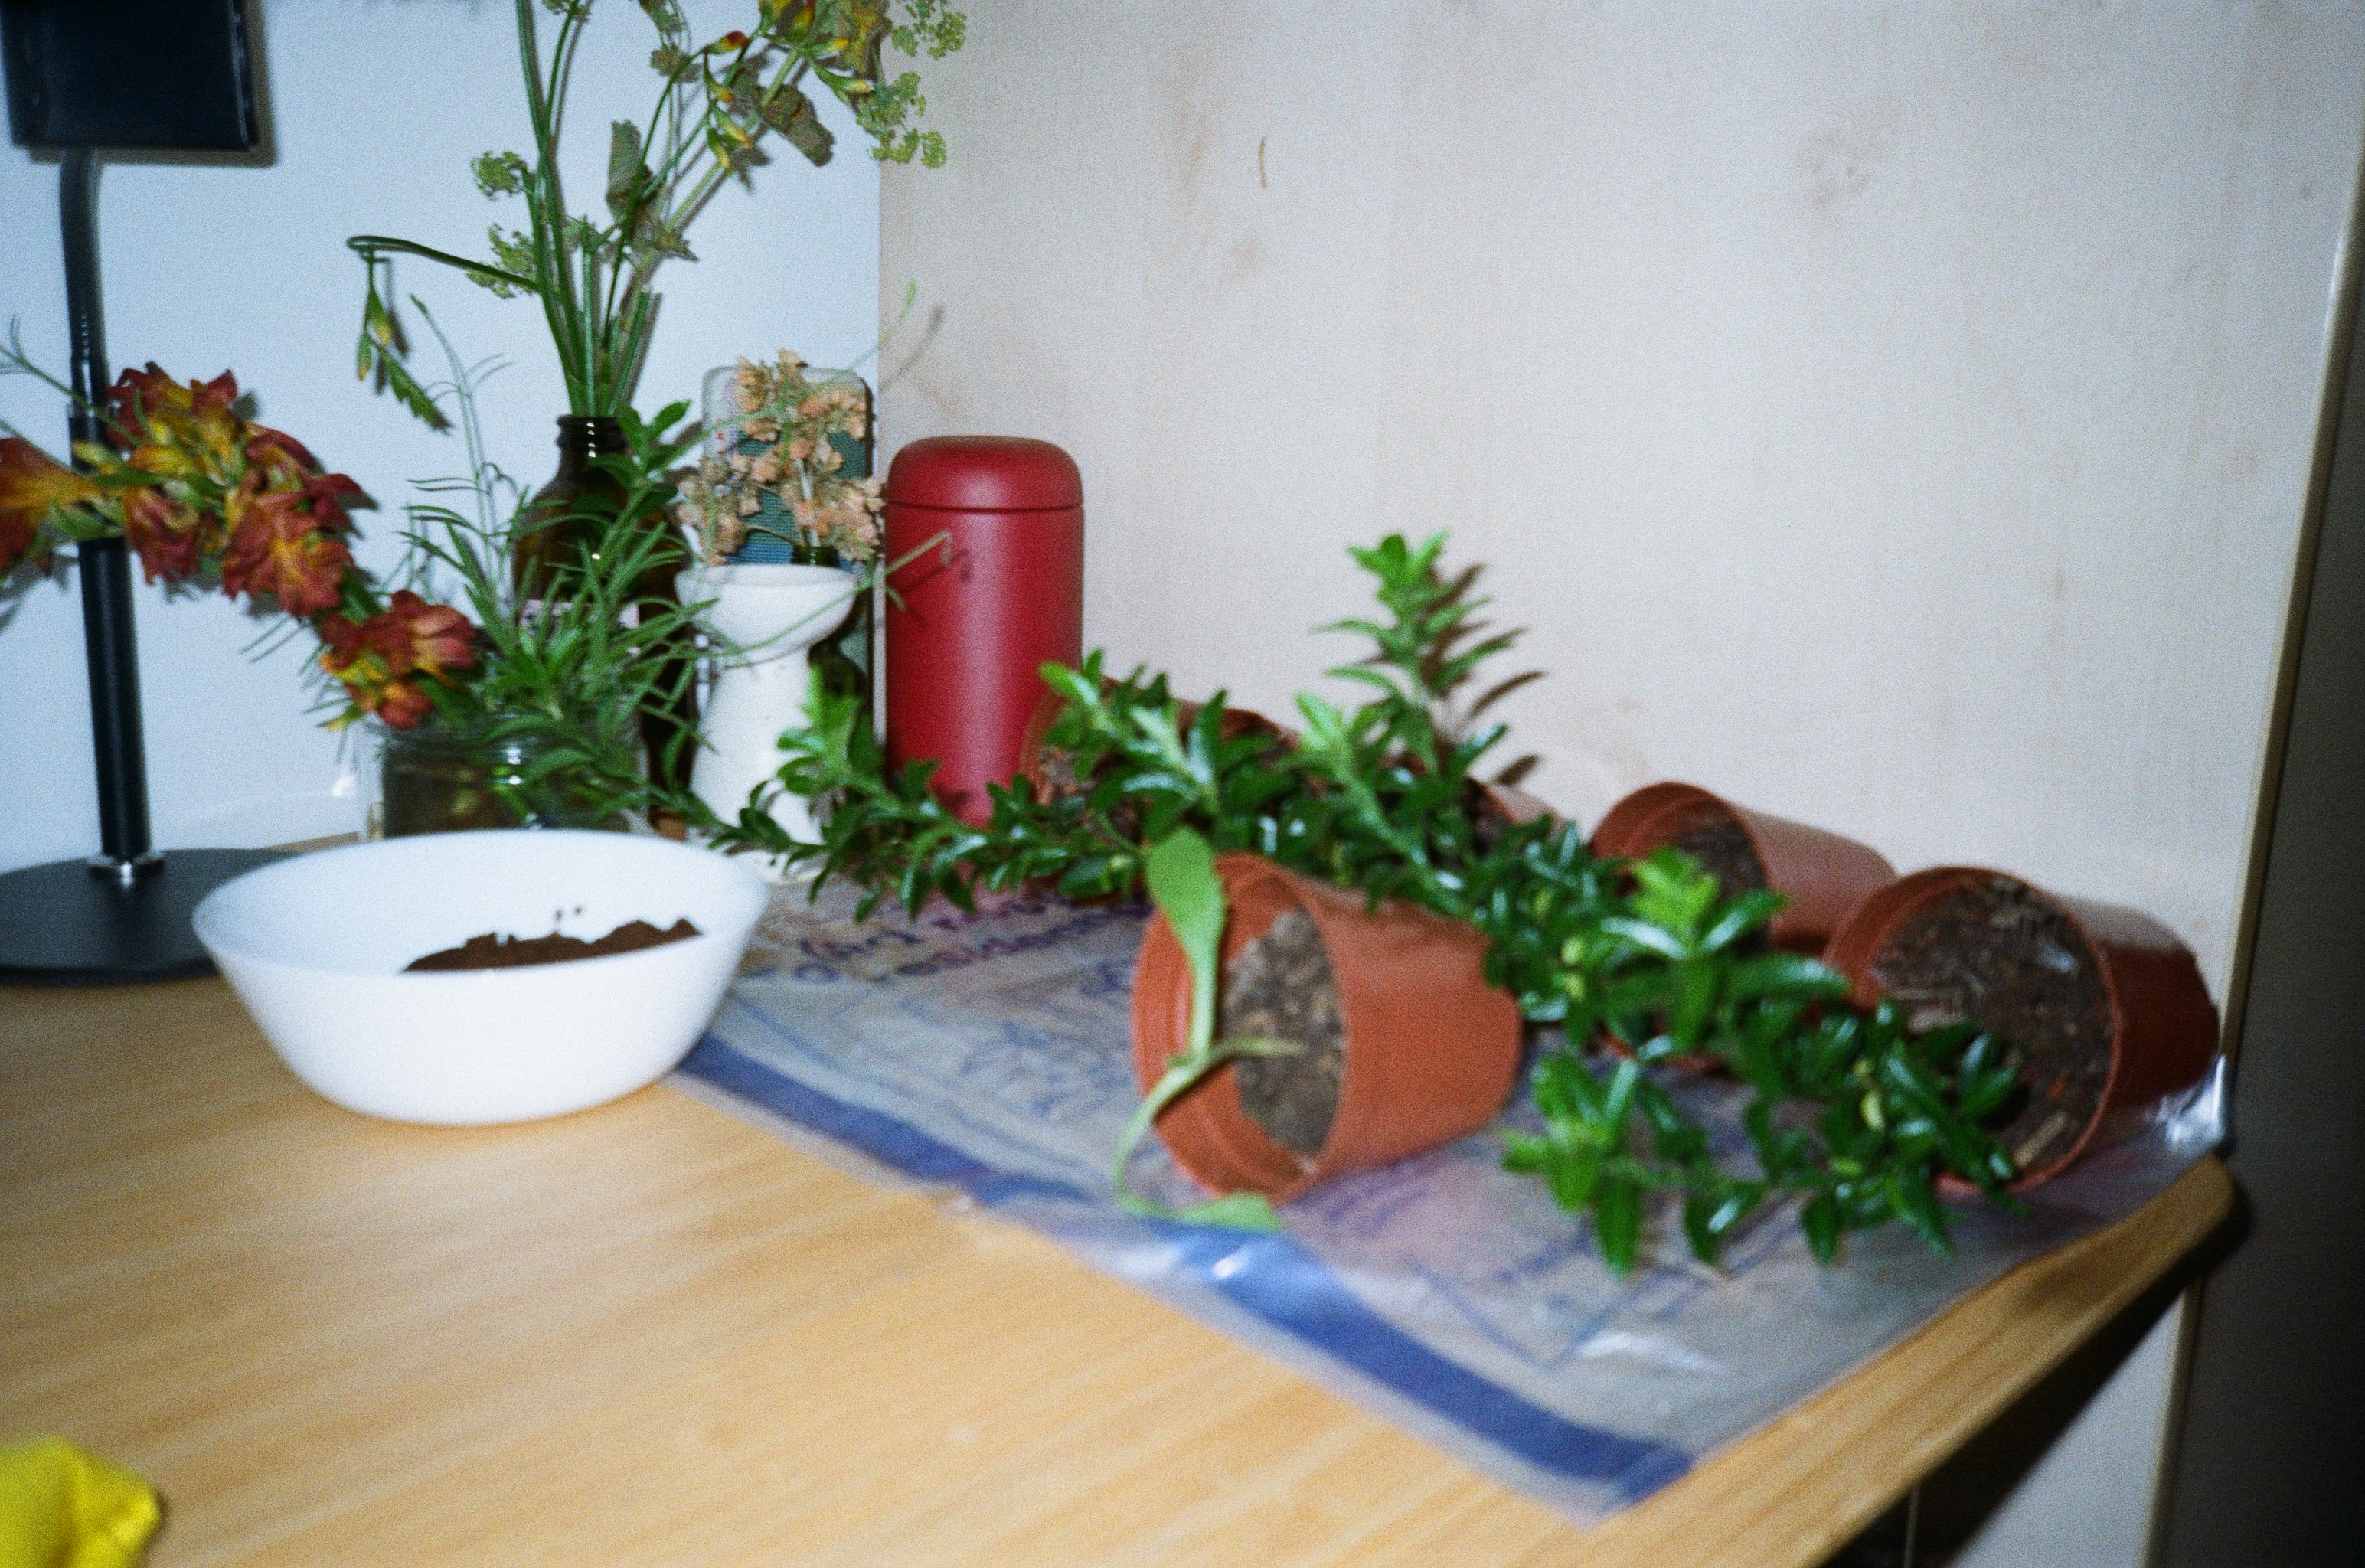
(1280, 988)
(489, 951)
(1998, 953)
(1721, 847)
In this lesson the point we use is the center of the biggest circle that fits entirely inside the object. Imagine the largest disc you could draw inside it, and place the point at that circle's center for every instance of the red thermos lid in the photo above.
(984, 473)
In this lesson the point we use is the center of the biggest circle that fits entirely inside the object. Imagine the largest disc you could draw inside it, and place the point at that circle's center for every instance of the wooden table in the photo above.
(652, 1334)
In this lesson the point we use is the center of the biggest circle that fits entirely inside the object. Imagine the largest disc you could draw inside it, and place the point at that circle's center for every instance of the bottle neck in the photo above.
(583, 438)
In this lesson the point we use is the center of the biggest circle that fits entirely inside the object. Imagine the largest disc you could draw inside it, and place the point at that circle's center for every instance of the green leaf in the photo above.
(1233, 1210)
(1650, 935)
(1822, 1221)
(1712, 1214)
(1181, 870)
(1618, 1222)
(1525, 1153)
(1913, 1200)
(1792, 975)
(1618, 1103)
(1573, 1174)
(1746, 914)
(1673, 891)
(1697, 985)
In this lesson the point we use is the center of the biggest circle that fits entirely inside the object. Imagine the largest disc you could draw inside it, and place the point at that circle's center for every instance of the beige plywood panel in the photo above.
(1896, 417)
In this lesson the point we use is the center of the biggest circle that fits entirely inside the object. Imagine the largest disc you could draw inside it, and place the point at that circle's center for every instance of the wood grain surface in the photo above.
(654, 1334)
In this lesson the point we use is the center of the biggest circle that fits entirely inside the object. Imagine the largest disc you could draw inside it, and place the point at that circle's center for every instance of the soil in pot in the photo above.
(491, 950)
(1997, 952)
(1280, 987)
(1435, 1049)
(1820, 875)
(1721, 847)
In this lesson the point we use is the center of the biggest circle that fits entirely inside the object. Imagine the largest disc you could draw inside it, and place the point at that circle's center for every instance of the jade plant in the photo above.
(1851, 1113)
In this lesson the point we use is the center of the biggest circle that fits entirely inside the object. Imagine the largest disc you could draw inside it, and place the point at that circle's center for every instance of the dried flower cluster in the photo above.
(196, 492)
(776, 457)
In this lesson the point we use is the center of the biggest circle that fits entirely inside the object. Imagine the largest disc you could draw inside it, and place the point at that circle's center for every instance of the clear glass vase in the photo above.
(446, 778)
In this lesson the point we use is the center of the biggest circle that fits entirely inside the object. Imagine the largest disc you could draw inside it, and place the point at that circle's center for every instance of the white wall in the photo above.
(375, 110)
(1893, 416)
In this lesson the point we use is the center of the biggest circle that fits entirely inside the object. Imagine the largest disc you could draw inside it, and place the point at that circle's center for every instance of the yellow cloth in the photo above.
(60, 1507)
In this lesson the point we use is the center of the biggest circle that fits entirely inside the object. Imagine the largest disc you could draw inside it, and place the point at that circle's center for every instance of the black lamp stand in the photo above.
(123, 913)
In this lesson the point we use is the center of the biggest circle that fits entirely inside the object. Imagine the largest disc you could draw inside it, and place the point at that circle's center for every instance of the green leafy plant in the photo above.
(1897, 1105)
(716, 102)
(1851, 1110)
(1150, 776)
(887, 833)
(570, 674)
(1374, 798)
(1401, 766)
(568, 670)
(1851, 1114)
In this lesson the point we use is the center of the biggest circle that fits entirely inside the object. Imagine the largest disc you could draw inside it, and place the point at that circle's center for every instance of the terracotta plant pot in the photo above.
(1501, 806)
(2159, 1027)
(1237, 721)
(1431, 1048)
(1822, 874)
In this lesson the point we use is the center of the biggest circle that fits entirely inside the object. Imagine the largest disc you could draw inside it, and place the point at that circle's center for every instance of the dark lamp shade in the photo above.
(151, 75)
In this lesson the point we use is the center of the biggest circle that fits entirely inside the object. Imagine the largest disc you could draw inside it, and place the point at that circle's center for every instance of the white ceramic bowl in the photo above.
(314, 947)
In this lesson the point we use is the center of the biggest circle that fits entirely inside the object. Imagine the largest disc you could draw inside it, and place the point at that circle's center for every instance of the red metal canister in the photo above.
(983, 610)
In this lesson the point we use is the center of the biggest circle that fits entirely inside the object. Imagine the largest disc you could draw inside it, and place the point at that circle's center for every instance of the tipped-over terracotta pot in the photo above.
(1501, 806)
(1036, 766)
(2087, 1087)
(1821, 874)
(1431, 1050)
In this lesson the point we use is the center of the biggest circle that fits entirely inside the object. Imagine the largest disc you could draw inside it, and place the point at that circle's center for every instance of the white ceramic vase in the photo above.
(772, 615)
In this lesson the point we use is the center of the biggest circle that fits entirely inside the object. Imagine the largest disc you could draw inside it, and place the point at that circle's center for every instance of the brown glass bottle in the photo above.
(562, 521)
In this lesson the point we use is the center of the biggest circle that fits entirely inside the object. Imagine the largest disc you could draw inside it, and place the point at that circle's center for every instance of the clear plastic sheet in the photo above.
(988, 1054)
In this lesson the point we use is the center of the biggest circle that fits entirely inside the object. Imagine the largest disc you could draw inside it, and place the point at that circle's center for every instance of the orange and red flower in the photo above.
(188, 484)
(140, 396)
(376, 658)
(278, 546)
(168, 535)
(177, 432)
(31, 487)
(283, 458)
(326, 494)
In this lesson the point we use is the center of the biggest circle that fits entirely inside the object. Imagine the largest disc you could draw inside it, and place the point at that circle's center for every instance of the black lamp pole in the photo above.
(104, 565)
(122, 914)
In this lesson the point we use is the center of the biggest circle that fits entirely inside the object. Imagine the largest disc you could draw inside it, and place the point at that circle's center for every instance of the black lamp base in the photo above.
(66, 924)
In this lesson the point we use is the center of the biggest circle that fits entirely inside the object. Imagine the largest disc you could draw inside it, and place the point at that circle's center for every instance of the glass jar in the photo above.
(446, 778)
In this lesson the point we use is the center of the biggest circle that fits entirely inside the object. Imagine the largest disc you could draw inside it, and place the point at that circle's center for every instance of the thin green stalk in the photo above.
(368, 244)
